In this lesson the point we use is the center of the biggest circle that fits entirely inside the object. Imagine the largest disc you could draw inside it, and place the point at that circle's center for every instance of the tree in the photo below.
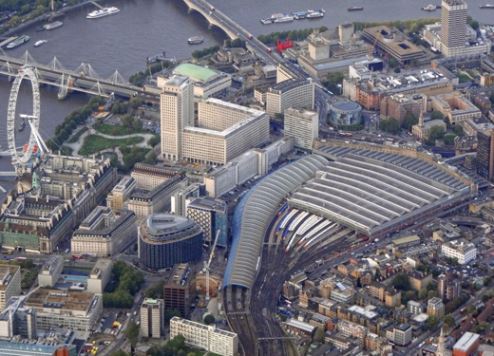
(449, 138)
(209, 319)
(334, 81)
(401, 282)
(170, 313)
(437, 115)
(431, 322)
(119, 353)
(435, 133)
(409, 120)
(153, 141)
(449, 321)
(390, 125)
(132, 334)
(155, 291)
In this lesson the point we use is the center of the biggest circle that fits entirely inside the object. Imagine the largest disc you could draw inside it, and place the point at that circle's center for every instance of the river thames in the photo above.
(146, 27)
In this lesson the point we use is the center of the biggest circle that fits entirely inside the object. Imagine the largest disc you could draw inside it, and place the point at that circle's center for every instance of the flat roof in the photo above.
(195, 72)
(466, 341)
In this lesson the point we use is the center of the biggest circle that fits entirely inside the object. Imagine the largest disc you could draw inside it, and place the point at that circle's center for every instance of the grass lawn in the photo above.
(94, 143)
(116, 130)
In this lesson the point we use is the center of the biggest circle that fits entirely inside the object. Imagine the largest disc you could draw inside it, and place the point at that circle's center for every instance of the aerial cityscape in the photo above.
(246, 178)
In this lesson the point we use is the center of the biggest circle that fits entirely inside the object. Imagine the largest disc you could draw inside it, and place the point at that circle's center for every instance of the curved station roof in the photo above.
(372, 191)
(255, 212)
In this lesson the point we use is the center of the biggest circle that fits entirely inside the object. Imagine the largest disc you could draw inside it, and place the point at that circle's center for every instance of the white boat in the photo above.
(39, 43)
(429, 8)
(52, 25)
(286, 18)
(106, 11)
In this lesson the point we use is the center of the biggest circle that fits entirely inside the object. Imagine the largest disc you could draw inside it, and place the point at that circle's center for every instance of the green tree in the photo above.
(153, 141)
(209, 319)
(333, 82)
(390, 125)
(431, 322)
(409, 120)
(435, 133)
(437, 115)
(449, 321)
(449, 138)
(155, 291)
(401, 282)
(132, 334)
(170, 313)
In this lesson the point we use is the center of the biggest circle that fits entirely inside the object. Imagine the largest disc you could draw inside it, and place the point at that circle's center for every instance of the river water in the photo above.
(147, 27)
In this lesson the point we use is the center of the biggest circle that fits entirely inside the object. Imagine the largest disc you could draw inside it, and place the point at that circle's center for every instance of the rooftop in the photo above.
(466, 341)
(195, 72)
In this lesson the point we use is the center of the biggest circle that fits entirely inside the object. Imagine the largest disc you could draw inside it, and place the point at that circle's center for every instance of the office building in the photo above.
(435, 307)
(47, 207)
(165, 240)
(485, 154)
(120, 193)
(292, 93)
(65, 310)
(398, 106)
(414, 307)
(148, 176)
(147, 202)
(394, 43)
(453, 25)
(253, 163)
(325, 53)
(345, 113)
(52, 345)
(400, 335)
(152, 318)
(209, 338)
(369, 88)
(50, 271)
(448, 287)
(10, 283)
(105, 232)
(212, 216)
(223, 131)
(455, 107)
(467, 344)
(207, 82)
(177, 112)
(17, 320)
(464, 252)
(182, 197)
(99, 276)
(302, 125)
(178, 289)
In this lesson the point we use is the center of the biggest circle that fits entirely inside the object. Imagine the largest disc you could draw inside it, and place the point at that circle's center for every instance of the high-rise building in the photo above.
(302, 125)
(211, 215)
(485, 154)
(152, 317)
(10, 283)
(210, 338)
(435, 307)
(453, 25)
(177, 112)
(220, 132)
(296, 93)
(178, 289)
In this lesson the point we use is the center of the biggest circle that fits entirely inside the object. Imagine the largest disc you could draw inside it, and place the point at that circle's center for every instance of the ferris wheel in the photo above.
(22, 154)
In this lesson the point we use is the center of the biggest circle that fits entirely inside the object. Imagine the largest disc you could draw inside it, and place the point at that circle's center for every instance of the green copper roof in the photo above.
(194, 72)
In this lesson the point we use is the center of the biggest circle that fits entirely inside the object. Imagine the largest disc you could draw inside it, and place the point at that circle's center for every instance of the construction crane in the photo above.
(208, 263)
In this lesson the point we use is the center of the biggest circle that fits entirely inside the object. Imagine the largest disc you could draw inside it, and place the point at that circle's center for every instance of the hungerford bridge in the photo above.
(82, 79)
